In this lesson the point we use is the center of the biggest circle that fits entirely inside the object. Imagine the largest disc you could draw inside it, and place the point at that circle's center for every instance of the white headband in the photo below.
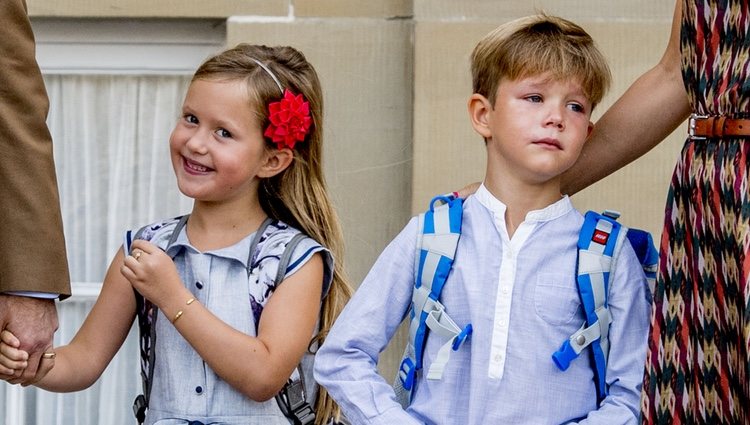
(268, 71)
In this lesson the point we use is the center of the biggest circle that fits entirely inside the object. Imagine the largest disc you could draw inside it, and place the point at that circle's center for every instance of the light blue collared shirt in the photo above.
(34, 294)
(521, 297)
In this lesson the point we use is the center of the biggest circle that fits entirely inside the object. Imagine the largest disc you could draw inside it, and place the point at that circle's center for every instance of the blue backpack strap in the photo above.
(598, 241)
(439, 231)
(648, 255)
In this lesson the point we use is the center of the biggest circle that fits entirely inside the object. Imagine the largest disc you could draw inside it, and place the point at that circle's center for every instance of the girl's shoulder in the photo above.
(280, 240)
(281, 244)
(158, 233)
(276, 236)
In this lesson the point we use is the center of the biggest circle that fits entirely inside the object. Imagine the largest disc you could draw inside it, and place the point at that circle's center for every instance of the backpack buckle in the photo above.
(291, 401)
(139, 408)
(460, 338)
(406, 373)
(304, 416)
(564, 356)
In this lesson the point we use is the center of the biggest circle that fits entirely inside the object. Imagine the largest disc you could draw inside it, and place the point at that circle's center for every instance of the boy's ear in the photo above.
(590, 129)
(277, 160)
(479, 110)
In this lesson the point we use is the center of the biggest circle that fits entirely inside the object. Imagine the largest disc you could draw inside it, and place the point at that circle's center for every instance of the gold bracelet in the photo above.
(179, 313)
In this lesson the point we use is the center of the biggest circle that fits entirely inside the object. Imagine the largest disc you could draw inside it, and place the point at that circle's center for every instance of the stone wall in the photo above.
(396, 81)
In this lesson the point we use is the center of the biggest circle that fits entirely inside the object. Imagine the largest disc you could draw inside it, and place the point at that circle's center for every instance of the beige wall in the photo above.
(632, 35)
(396, 80)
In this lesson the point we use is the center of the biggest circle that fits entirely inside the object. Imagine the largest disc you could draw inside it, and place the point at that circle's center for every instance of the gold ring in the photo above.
(137, 255)
(49, 355)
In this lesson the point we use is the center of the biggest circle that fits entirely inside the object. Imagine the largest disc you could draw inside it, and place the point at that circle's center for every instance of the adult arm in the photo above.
(654, 105)
(256, 366)
(32, 249)
(346, 363)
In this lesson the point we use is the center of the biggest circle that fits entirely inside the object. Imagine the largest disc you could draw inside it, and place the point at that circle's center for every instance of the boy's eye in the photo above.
(223, 133)
(535, 98)
(192, 119)
(575, 107)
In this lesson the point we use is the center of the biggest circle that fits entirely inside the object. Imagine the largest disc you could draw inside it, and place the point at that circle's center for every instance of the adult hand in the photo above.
(468, 190)
(34, 322)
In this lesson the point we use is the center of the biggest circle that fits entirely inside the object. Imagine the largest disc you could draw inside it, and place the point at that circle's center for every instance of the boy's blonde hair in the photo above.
(298, 195)
(536, 45)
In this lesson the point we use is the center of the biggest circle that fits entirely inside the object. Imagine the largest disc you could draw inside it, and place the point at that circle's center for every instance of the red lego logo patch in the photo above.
(600, 237)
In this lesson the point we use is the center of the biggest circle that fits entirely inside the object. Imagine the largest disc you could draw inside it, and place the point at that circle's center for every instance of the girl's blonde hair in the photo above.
(298, 195)
(536, 45)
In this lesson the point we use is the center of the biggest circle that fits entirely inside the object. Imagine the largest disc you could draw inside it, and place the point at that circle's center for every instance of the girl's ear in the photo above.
(479, 109)
(277, 160)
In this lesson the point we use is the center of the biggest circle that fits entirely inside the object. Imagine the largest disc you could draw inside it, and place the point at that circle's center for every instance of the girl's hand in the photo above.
(151, 272)
(12, 359)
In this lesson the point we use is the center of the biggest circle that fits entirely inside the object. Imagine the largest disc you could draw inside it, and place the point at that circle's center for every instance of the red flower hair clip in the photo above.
(290, 120)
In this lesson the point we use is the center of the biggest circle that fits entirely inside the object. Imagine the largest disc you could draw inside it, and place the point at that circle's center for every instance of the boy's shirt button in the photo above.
(199, 284)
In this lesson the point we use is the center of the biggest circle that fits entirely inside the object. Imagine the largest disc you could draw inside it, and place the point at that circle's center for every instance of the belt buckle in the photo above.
(691, 126)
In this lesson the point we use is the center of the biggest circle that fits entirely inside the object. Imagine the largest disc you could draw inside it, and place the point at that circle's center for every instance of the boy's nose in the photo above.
(555, 118)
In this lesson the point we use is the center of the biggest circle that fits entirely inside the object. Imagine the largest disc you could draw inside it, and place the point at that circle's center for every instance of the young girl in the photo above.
(247, 148)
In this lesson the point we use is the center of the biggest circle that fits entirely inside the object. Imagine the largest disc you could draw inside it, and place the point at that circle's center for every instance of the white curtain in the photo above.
(111, 151)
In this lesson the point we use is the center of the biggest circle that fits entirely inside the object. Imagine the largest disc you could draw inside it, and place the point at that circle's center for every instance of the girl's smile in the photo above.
(192, 167)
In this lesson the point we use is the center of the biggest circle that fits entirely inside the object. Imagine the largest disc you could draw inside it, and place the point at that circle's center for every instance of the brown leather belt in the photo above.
(716, 126)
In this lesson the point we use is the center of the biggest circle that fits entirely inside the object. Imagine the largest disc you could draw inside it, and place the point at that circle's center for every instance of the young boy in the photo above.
(536, 81)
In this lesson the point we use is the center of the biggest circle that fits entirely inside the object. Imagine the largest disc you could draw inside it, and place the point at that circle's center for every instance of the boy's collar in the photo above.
(550, 212)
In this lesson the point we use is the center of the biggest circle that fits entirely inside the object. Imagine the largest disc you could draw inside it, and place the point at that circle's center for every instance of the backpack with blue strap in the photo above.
(599, 241)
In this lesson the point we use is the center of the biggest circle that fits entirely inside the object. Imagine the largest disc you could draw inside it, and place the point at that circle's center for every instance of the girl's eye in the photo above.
(223, 133)
(535, 98)
(192, 119)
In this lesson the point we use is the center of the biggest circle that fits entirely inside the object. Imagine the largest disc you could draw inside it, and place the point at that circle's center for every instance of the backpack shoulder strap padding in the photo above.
(439, 230)
(648, 255)
(293, 400)
(147, 313)
(286, 256)
(600, 243)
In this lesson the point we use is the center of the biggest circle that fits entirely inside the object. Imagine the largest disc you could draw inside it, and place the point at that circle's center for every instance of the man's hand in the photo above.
(34, 322)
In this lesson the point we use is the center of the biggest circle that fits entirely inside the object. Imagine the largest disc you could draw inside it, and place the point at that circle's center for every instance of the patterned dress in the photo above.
(698, 364)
